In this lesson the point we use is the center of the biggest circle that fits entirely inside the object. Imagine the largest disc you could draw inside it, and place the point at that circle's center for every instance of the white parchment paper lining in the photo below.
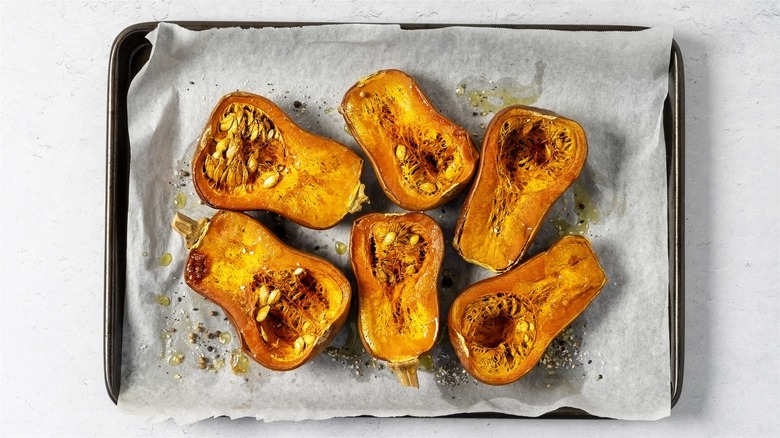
(612, 83)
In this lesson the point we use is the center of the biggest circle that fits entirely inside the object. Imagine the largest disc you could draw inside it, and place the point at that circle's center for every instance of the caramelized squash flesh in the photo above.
(421, 158)
(251, 156)
(285, 305)
(396, 259)
(529, 158)
(500, 327)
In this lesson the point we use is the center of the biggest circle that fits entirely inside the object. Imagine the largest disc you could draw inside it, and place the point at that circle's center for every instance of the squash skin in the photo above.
(388, 109)
(231, 261)
(514, 316)
(306, 178)
(397, 278)
(523, 170)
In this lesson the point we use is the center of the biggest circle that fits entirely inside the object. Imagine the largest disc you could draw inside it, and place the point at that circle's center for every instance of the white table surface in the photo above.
(54, 81)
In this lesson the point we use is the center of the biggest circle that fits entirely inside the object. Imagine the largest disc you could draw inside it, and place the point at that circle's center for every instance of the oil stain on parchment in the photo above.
(485, 96)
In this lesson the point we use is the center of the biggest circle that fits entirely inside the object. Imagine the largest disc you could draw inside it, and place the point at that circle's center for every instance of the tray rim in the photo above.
(126, 44)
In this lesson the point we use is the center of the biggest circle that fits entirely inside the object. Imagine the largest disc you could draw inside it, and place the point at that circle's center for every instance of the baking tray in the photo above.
(131, 50)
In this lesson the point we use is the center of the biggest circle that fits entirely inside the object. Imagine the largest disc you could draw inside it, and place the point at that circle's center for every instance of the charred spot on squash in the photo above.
(246, 153)
(197, 267)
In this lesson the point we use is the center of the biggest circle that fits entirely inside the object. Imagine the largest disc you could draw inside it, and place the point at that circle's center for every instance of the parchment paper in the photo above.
(613, 361)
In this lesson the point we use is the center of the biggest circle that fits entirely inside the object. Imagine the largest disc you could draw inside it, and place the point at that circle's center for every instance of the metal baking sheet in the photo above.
(130, 52)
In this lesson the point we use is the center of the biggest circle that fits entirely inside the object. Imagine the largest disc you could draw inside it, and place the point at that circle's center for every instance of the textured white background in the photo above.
(54, 70)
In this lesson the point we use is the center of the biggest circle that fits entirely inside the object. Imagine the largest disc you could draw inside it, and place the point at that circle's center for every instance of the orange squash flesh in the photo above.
(286, 305)
(251, 156)
(396, 259)
(500, 327)
(529, 158)
(421, 158)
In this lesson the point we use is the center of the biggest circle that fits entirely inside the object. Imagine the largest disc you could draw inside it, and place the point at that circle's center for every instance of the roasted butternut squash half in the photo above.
(251, 156)
(396, 259)
(421, 158)
(501, 326)
(530, 157)
(285, 305)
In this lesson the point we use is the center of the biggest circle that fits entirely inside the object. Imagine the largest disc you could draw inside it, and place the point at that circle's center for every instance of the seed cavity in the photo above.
(245, 151)
(397, 251)
(498, 330)
(428, 160)
(292, 308)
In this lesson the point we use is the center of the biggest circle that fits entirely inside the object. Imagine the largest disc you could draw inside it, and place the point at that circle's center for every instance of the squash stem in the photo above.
(406, 371)
(190, 229)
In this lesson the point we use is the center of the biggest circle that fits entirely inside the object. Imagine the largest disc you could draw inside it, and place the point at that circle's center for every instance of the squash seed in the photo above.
(400, 152)
(270, 179)
(274, 296)
(226, 123)
(262, 314)
(263, 294)
(299, 345)
(428, 187)
(389, 238)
